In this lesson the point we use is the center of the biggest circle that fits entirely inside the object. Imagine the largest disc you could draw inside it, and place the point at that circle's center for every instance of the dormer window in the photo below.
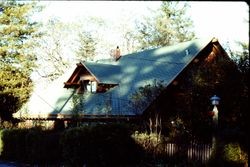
(85, 78)
(87, 86)
(91, 86)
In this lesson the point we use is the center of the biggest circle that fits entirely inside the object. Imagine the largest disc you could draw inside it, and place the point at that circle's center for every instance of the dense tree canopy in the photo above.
(16, 55)
(169, 25)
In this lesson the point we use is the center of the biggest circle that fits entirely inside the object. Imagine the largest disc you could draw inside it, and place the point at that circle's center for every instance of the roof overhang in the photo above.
(77, 75)
(81, 117)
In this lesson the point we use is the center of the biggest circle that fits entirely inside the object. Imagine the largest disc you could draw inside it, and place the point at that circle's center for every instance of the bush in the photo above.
(30, 145)
(13, 144)
(233, 154)
(42, 146)
(228, 154)
(75, 145)
(101, 145)
(1, 142)
(115, 145)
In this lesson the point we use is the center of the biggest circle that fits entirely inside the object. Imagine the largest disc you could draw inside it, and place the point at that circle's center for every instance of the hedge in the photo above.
(100, 145)
(108, 145)
(30, 145)
(13, 144)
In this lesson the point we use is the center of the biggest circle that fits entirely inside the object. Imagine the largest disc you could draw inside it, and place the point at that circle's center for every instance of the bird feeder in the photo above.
(215, 100)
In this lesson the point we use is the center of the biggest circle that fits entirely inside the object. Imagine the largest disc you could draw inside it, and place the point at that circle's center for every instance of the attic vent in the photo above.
(187, 52)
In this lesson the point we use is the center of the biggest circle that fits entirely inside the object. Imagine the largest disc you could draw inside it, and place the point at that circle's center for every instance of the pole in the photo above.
(215, 117)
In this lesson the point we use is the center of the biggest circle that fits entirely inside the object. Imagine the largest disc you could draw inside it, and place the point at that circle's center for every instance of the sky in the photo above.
(227, 21)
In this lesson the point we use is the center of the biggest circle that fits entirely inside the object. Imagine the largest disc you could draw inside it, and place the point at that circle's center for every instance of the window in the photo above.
(90, 86)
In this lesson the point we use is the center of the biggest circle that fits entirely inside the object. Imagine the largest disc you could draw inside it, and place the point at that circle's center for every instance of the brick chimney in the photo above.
(117, 53)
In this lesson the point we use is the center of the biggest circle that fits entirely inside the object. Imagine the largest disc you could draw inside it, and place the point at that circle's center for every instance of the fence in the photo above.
(193, 151)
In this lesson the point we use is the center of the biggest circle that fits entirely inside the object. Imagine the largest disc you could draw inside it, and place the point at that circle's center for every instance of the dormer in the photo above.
(93, 78)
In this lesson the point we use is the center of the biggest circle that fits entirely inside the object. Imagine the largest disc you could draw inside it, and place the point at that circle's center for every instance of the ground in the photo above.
(11, 164)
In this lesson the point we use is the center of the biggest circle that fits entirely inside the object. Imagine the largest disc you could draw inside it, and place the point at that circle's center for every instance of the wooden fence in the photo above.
(192, 151)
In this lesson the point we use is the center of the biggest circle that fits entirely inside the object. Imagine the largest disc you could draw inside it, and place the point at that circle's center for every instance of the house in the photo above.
(102, 90)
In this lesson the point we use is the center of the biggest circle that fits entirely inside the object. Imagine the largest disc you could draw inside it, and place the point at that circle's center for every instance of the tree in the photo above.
(146, 94)
(17, 33)
(170, 25)
(241, 58)
(141, 99)
(63, 44)
(78, 108)
(87, 46)
(53, 53)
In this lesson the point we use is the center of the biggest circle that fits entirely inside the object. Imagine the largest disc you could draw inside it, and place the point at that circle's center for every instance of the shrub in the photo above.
(13, 144)
(101, 145)
(115, 145)
(30, 145)
(148, 141)
(1, 142)
(42, 146)
(233, 154)
(228, 154)
(75, 145)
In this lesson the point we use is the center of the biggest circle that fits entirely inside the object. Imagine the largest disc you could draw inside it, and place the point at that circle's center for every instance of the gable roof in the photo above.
(105, 73)
(130, 72)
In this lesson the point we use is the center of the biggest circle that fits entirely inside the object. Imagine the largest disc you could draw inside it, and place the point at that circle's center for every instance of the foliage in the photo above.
(15, 89)
(164, 150)
(87, 45)
(17, 33)
(75, 152)
(13, 151)
(141, 97)
(179, 131)
(63, 44)
(170, 25)
(186, 101)
(149, 142)
(233, 153)
(78, 104)
(52, 56)
(32, 145)
(241, 58)
(42, 146)
(173, 125)
(78, 107)
(1, 142)
(97, 145)
(220, 77)
(228, 154)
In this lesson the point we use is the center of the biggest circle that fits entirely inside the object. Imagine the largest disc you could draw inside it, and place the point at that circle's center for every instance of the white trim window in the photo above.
(91, 86)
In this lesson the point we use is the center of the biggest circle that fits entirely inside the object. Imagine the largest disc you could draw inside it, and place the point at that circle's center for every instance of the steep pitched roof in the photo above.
(140, 69)
(105, 73)
(130, 72)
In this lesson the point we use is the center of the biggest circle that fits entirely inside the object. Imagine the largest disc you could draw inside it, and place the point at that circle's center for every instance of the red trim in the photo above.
(72, 81)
